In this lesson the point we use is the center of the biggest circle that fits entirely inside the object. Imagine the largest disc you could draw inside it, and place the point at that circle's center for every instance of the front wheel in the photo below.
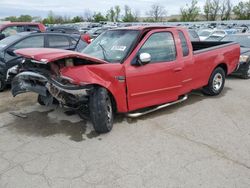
(216, 82)
(2, 83)
(101, 110)
(246, 73)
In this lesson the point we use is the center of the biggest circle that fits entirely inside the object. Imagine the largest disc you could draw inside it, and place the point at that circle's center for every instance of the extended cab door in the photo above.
(159, 81)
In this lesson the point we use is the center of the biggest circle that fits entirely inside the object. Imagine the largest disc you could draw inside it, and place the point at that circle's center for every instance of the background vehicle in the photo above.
(193, 35)
(64, 29)
(126, 70)
(95, 32)
(244, 40)
(9, 60)
(13, 28)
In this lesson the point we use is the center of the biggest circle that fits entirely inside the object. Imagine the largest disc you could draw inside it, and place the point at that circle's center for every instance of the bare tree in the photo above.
(242, 10)
(157, 12)
(226, 10)
(212, 9)
(117, 13)
(190, 13)
(88, 15)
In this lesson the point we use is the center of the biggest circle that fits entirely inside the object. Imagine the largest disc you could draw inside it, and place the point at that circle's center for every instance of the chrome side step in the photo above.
(138, 114)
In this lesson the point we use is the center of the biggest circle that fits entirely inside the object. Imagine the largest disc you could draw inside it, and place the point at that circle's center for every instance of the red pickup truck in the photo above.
(133, 70)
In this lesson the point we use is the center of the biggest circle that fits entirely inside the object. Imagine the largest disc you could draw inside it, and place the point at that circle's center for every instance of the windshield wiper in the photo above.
(104, 52)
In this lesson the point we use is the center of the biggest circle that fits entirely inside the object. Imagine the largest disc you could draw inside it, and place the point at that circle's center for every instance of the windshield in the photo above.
(243, 40)
(112, 46)
(8, 40)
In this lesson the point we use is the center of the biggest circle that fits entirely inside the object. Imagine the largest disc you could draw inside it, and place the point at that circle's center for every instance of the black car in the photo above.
(243, 69)
(64, 29)
(9, 60)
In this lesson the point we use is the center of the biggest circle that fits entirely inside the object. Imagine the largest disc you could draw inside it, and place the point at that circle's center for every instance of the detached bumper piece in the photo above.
(69, 95)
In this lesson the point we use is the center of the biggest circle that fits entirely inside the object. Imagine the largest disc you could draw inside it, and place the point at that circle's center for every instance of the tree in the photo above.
(111, 14)
(11, 19)
(77, 19)
(157, 12)
(117, 13)
(242, 10)
(226, 10)
(190, 13)
(129, 16)
(98, 17)
(25, 18)
(212, 9)
(88, 15)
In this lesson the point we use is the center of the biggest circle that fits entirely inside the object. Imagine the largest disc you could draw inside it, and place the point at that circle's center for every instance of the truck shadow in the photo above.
(40, 124)
(193, 97)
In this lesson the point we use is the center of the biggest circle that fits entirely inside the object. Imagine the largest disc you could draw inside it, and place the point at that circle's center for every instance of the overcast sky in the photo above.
(77, 7)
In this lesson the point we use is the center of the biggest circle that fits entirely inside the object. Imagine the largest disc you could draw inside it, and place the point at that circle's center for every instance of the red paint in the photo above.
(40, 26)
(148, 85)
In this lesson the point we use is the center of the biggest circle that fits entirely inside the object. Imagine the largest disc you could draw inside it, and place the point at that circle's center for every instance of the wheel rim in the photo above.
(109, 110)
(217, 81)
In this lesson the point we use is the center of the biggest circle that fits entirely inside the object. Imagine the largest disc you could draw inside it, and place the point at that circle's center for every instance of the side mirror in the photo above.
(11, 52)
(2, 36)
(144, 58)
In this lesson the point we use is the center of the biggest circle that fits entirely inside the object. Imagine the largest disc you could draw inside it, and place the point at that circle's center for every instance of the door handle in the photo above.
(177, 69)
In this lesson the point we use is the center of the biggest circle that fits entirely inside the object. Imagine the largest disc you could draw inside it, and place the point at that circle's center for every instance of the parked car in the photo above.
(204, 34)
(13, 28)
(9, 60)
(95, 32)
(125, 70)
(64, 29)
(193, 35)
(243, 69)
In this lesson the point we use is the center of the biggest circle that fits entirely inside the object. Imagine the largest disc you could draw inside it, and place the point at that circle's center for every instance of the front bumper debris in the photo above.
(34, 82)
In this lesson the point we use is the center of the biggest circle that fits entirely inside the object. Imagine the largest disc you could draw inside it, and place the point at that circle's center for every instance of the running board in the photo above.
(138, 114)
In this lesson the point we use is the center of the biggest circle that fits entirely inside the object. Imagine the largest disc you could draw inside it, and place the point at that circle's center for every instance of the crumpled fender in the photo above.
(104, 75)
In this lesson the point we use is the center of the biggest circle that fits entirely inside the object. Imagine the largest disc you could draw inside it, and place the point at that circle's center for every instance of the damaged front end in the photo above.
(49, 88)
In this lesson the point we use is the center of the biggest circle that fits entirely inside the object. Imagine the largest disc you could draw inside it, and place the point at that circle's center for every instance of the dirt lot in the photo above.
(203, 142)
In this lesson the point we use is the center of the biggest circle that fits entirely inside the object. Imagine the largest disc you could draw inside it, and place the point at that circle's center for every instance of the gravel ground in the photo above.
(202, 142)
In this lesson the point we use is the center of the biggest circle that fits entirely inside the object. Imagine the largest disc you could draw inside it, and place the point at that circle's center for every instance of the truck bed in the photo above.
(199, 47)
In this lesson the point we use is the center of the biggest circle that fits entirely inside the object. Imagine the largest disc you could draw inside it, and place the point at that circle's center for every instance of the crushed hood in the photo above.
(47, 55)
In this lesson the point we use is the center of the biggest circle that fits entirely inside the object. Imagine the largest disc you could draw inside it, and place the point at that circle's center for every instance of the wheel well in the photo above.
(111, 95)
(223, 66)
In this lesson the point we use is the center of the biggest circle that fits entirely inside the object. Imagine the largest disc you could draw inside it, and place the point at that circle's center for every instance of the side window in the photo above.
(32, 28)
(31, 42)
(160, 46)
(184, 44)
(56, 41)
(12, 30)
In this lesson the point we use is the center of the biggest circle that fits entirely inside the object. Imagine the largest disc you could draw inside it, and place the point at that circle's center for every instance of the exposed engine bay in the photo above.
(47, 80)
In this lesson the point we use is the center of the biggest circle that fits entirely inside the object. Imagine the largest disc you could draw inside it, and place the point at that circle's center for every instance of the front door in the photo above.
(159, 81)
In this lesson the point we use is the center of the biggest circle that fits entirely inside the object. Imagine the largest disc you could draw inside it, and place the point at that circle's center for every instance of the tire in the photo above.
(2, 83)
(40, 100)
(216, 82)
(246, 73)
(46, 101)
(101, 110)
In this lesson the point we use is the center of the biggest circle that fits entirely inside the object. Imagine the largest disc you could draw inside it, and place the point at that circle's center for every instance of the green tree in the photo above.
(77, 19)
(25, 18)
(129, 16)
(98, 17)
(242, 10)
(11, 19)
(190, 13)
(117, 13)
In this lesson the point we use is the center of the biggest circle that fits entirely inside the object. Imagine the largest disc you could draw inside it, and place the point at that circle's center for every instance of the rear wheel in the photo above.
(2, 83)
(101, 110)
(216, 82)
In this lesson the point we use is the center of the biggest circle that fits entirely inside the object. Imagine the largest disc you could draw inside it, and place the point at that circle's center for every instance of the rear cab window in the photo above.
(12, 30)
(161, 47)
(184, 44)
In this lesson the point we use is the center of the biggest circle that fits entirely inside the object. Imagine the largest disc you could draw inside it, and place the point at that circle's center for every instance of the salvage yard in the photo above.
(204, 141)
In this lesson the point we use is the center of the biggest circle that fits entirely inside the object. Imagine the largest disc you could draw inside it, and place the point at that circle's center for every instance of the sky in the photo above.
(77, 7)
